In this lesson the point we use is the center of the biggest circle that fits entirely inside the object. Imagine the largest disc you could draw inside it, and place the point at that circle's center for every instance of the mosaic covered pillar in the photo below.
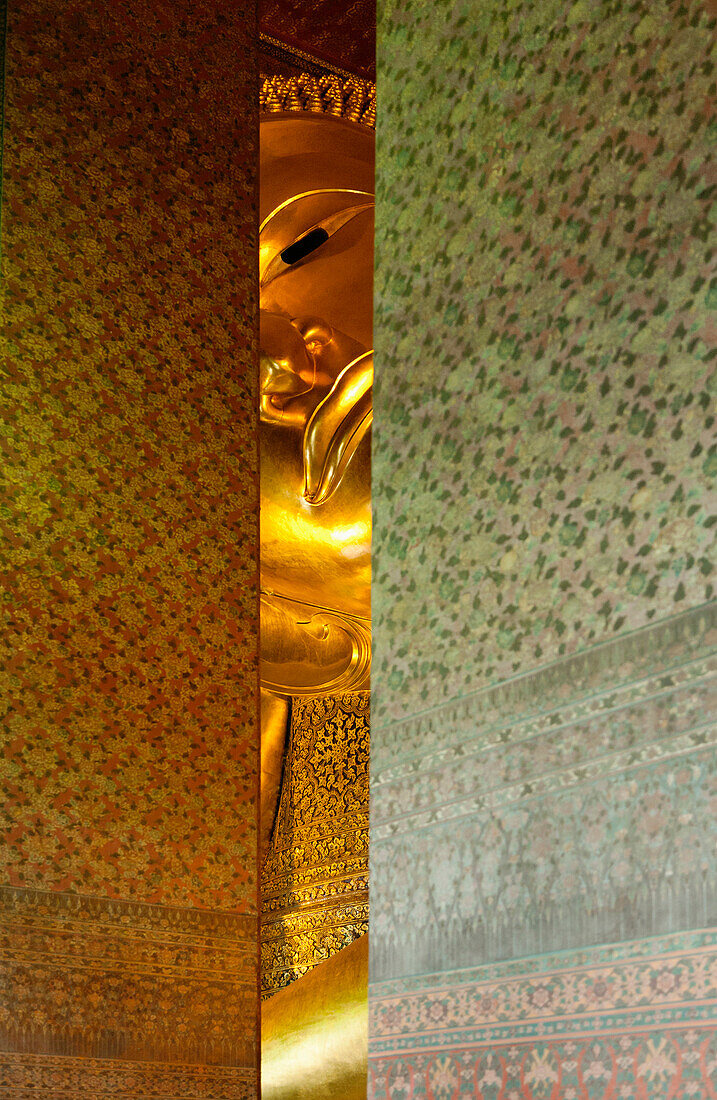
(543, 879)
(128, 907)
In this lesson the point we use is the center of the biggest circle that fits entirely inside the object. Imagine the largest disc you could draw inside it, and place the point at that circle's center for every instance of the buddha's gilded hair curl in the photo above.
(350, 98)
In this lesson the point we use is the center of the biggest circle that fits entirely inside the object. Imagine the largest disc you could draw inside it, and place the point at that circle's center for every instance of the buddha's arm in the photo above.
(274, 722)
(314, 1033)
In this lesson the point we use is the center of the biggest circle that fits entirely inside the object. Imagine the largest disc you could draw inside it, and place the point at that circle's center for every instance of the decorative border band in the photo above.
(30, 1076)
(124, 981)
(625, 659)
(664, 988)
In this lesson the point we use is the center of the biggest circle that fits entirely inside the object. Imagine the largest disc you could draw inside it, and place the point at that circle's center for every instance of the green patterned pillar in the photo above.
(543, 878)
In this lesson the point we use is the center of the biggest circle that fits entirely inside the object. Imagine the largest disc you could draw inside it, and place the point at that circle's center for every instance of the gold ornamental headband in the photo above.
(343, 97)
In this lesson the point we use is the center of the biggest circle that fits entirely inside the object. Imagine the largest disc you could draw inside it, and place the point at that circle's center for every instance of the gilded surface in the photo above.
(316, 411)
(314, 1034)
(343, 97)
(315, 878)
(316, 379)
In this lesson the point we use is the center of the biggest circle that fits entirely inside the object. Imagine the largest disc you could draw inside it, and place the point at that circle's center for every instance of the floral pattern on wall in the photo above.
(128, 566)
(545, 292)
(544, 460)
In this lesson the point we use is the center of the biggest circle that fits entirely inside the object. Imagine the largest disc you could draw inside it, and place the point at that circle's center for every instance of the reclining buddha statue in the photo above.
(316, 374)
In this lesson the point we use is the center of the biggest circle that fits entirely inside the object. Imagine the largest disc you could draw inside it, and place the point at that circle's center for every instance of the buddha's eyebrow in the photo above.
(349, 191)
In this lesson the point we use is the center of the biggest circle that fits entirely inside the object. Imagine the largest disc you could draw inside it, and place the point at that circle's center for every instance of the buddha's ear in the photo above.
(336, 428)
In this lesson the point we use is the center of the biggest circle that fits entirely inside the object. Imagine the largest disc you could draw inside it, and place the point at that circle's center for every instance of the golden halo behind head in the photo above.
(350, 98)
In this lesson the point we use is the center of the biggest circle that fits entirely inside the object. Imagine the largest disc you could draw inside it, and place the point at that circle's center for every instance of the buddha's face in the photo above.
(315, 269)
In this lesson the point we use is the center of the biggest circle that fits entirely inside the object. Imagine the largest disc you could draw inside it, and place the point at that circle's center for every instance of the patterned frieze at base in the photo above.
(30, 1076)
(582, 817)
(87, 978)
(632, 1065)
(315, 878)
(636, 1021)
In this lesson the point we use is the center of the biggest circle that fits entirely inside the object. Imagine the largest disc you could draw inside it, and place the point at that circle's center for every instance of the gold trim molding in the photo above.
(343, 97)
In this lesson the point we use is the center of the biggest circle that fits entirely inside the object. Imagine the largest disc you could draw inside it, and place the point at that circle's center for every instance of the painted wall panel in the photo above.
(129, 558)
(544, 460)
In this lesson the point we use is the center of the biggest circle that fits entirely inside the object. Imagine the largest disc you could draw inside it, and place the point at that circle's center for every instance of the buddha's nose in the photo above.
(286, 368)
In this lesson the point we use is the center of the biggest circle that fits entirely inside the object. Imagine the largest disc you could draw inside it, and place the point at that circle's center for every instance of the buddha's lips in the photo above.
(336, 428)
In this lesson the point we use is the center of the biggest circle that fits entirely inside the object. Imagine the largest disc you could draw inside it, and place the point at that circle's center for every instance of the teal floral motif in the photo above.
(400, 1081)
(443, 1079)
(541, 1073)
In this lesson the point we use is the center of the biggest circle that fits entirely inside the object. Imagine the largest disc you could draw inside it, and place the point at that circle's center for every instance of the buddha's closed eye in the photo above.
(311, 238)
(305, 245)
